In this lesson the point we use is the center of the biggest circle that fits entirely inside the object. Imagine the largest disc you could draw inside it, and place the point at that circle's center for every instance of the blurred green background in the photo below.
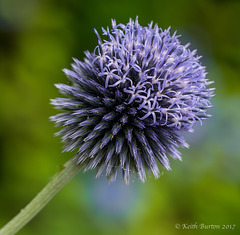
(38, 39)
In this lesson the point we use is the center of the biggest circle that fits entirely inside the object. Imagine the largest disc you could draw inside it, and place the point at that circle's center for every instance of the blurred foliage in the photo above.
(38, 39)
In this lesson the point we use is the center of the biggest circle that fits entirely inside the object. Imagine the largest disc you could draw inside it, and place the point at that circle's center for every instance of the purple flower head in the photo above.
(130, 99)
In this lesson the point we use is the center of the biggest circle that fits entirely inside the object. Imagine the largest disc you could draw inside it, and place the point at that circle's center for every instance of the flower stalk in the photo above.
(70, 169)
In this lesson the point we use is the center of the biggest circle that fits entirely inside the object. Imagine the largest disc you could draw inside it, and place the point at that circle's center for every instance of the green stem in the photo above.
(42, 198)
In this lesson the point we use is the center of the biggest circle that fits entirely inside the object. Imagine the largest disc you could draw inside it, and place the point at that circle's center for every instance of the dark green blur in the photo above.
(38, 39)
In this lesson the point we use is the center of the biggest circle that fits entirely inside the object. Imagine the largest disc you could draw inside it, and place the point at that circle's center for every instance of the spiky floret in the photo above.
(130, 99)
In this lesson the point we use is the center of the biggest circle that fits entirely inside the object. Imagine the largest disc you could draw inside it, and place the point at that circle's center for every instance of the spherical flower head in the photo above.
(130, 100)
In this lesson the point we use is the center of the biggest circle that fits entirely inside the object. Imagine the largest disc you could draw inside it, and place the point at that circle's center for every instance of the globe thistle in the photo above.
(131, 99)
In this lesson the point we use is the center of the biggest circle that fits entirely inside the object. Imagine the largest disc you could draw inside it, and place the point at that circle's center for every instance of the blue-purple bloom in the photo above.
(130, 99)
